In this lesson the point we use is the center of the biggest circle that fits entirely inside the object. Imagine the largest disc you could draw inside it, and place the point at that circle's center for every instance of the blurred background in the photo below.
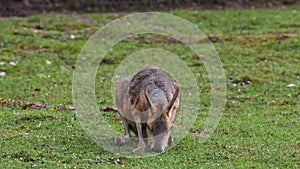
(30, 7)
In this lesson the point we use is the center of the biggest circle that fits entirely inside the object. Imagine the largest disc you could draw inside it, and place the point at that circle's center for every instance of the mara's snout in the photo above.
(148, 104)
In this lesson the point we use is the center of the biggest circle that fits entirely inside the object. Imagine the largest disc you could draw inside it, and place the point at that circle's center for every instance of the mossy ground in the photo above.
(259, 127)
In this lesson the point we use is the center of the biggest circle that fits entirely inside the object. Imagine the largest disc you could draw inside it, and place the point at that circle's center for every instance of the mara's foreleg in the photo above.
(141, 145)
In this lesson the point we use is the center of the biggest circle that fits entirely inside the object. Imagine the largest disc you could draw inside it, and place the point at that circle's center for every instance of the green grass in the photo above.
(259, 127)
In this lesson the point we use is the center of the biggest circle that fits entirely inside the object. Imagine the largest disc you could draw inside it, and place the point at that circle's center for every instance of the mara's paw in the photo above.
(119, 141)
(141, 147)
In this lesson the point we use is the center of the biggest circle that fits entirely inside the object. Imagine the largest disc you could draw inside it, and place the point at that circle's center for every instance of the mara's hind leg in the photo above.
(124, 139)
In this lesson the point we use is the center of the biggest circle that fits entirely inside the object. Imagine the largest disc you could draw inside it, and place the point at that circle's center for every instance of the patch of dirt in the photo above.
(34, 106)
(109, 109)
(199, 132)
(243, 81)
(277, 36)
(155, 39)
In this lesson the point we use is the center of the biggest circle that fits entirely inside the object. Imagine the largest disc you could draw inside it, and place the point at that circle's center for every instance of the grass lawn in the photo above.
(259, 127)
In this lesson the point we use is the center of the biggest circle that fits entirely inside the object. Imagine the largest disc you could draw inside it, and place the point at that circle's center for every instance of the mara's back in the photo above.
(150, 78)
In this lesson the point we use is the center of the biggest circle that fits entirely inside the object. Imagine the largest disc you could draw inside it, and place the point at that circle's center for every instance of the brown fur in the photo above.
(148, 104)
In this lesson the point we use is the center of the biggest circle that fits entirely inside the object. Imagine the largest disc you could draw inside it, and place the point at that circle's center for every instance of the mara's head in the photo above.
(159, 133)
(160, 122)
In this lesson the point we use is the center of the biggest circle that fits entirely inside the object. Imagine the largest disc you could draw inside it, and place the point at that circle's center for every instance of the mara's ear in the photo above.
(148, 99)
(175, 96)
